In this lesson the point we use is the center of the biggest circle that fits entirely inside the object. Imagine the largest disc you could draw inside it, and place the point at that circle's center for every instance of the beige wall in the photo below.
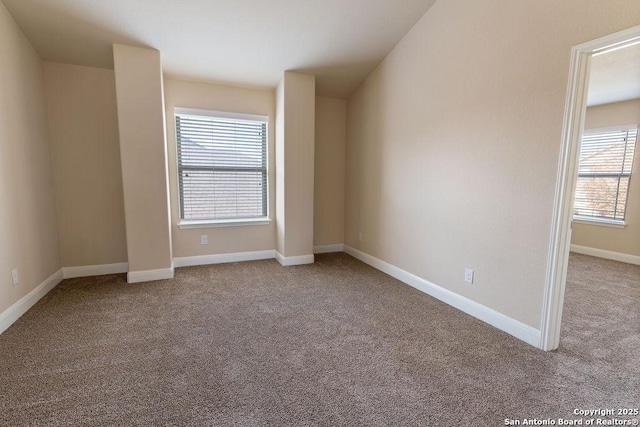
(205, 96)
(453, 144)
(295, 164)
(83, 133)
(28, 232)
(330, 144)
(143, 154)
(279, 166)
(623, 240)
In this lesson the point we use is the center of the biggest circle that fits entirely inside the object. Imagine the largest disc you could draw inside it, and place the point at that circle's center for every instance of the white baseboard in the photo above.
(149, 275)
(325, 249)
(94, 270)
(601, 253)
(13, 313)
(222, 258)
(294, 260)
(526, 333)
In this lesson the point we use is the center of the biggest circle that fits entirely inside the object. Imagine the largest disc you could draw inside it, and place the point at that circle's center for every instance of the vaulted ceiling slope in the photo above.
(238, 42)
(615, 76)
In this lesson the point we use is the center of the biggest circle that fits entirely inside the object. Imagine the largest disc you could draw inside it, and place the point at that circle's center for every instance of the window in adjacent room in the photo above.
(222, 167)
(604, 174)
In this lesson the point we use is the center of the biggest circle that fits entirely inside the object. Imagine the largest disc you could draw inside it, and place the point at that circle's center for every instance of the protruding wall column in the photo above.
(143, 149)
(295, 139)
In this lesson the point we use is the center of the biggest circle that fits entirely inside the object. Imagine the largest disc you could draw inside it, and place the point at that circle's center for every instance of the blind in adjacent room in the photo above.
(604, 174)
(222, 167)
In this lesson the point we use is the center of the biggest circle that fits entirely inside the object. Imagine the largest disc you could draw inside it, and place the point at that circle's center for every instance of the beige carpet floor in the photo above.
(333, 343)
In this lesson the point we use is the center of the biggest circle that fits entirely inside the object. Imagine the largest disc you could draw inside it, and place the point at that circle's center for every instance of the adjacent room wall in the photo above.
(453, 144)
(622, 240)
(83, 133)
(221, 240)
(28, 231)
(330, 145)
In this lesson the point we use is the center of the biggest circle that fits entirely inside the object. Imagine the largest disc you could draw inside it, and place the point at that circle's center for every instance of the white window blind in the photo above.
(604, 174)
(222, 166)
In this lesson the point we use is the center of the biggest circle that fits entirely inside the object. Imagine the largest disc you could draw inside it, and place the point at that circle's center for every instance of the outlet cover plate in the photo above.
(468, 275)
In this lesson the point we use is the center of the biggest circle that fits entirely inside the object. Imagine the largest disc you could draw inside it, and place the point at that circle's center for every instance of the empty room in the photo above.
(296, 212)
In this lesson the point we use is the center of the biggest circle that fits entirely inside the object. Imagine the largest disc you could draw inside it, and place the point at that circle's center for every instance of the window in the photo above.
(222, 166)
(604, 174)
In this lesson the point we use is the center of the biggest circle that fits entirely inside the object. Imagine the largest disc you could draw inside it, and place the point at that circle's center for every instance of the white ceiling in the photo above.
(615, 76)
(240, 42)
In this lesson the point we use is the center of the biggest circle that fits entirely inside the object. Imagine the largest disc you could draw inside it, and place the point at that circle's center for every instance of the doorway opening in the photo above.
(563, 212)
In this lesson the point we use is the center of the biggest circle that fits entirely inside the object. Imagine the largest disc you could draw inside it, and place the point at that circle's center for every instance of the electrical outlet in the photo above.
(360, 236)
(14, 276)
(468, 275)
(204, 239)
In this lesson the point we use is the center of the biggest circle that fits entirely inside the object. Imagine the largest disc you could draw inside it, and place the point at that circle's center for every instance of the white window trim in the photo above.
(599, 221)
(220, 114)
(232, 222)
(623, 128)
(243, 222)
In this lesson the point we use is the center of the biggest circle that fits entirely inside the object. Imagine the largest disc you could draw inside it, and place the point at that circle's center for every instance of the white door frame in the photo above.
(575, 108)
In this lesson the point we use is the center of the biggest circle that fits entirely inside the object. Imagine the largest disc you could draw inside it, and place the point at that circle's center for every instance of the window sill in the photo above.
(599, 222)
(186, 224)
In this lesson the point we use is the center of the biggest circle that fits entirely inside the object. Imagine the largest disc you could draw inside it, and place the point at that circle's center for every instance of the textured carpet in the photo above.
(333, 343)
